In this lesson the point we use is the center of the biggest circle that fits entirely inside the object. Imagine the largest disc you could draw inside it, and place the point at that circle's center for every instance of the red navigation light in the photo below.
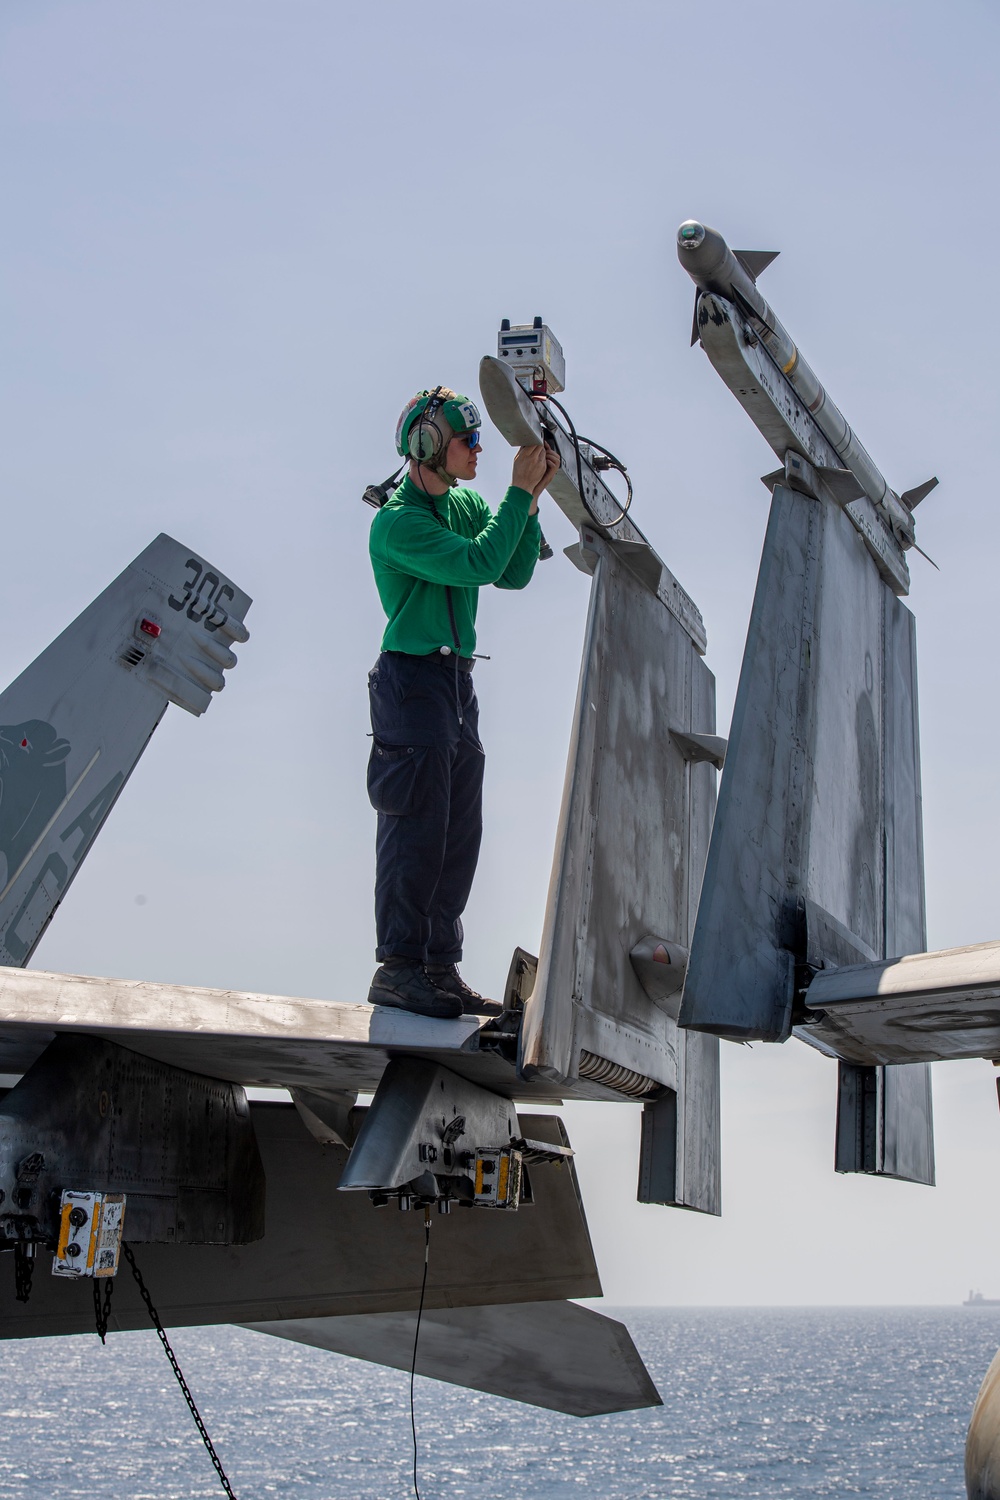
(149, 628)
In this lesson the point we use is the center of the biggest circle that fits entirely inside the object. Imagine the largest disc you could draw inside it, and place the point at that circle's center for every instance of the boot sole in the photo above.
(452, 1012)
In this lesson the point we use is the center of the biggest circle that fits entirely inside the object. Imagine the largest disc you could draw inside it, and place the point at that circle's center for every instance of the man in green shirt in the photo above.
(433, 545)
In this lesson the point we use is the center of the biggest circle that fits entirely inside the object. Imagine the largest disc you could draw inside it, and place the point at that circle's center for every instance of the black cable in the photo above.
(451, 616)
(416, 1340)
(612, 463)
(161, 1332)
(576, 441)
(102, 1310)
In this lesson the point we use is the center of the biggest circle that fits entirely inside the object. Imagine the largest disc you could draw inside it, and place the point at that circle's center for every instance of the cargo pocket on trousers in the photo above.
(392, 777)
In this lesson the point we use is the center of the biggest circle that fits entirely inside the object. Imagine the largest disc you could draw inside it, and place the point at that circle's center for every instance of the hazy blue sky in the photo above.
(239, 234)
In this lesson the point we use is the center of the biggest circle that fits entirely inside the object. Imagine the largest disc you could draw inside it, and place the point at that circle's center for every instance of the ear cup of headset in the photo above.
(425, 441)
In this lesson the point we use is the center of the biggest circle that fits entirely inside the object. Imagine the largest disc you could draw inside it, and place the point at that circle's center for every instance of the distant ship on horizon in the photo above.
(976, 1299)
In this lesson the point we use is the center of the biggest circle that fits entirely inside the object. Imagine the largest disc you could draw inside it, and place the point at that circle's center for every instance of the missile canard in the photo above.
(725, 276)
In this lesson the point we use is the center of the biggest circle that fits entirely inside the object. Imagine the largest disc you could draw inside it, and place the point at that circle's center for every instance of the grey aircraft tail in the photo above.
(816, 857)
(75, 722)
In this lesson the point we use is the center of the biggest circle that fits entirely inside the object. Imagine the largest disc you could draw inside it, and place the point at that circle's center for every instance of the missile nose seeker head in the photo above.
(706, 257)
(690, 235)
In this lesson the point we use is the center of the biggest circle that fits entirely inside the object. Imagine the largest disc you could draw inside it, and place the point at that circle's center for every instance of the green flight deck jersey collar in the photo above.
(422, 546)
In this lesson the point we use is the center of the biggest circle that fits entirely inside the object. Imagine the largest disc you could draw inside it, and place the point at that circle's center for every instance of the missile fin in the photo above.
(912, 498)
(695, 335)
(842, 484)
(756, 262)
(925, 555)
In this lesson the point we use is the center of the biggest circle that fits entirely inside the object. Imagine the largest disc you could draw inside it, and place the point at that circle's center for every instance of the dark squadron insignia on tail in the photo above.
(32, 787)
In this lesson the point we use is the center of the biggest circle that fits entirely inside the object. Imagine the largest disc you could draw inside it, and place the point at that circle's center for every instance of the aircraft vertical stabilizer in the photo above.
(75, 722)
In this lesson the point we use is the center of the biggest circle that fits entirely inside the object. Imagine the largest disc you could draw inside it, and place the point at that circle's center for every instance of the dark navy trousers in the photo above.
(425, 781)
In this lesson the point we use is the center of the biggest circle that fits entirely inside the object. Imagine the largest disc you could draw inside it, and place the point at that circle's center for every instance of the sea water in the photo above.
(756, 1402)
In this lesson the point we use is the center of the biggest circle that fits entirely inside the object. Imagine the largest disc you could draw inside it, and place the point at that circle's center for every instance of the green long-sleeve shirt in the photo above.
(416, 557)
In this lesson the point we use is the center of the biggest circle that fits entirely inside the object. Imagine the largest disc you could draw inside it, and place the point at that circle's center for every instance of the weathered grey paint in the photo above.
(630, 849)
(267, 1041)
(326, 1253)
(923, 1007)
(903, 823)
(816, 851)
(76, 721)
(816, 855)
(96, 1117)
(550, 1354)
(885, 1122)
(415, 1100)
(517, 418)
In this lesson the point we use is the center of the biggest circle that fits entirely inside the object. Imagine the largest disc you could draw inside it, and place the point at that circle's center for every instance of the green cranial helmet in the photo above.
(430, 420)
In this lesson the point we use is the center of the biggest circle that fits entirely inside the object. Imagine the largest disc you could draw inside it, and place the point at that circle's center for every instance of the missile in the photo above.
(727, 299)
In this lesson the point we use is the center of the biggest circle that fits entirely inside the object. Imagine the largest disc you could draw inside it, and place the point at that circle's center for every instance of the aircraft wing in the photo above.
(262, 1041)
(927, 1007)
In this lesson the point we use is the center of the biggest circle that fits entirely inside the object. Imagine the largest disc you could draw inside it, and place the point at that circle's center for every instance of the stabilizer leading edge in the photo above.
(75, 722)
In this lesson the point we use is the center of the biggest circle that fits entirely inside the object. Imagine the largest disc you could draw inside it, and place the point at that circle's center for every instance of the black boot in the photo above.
(401, 982)
(447, 978)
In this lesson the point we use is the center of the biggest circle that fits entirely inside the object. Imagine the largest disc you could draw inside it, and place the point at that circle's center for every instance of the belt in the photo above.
(465, 663)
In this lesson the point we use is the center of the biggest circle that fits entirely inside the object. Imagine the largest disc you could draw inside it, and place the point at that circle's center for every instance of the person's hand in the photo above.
(552, 463)
(529, 468)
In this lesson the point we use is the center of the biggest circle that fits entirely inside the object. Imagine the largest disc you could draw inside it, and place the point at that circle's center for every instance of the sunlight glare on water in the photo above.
(757, 1403)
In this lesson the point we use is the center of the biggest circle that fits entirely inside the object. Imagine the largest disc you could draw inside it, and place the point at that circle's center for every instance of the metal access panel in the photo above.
(816, 856)
(630, 849)
(96, 1118)
(75, 722)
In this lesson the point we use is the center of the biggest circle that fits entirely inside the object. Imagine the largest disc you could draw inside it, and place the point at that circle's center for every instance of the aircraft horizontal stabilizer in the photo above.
(76, 721)
(551, 1354)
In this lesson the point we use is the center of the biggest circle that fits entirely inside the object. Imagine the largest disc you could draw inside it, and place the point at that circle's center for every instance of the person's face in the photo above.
(461, 460)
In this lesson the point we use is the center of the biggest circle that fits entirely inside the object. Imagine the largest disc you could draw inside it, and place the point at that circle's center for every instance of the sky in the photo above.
(238, 236)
